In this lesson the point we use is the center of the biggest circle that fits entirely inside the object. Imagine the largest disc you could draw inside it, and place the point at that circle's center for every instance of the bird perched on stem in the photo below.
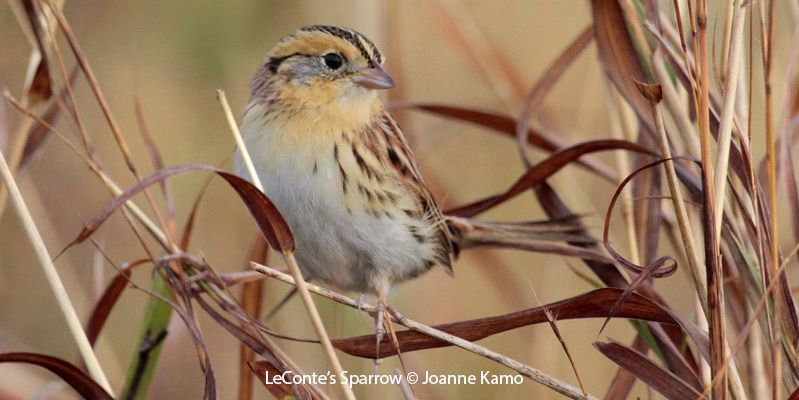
(338, 167)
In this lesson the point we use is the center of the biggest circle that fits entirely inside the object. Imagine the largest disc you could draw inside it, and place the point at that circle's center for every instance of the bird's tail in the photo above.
(564, 236)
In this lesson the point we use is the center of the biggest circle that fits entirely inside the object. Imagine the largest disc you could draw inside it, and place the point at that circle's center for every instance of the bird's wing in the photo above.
(390, 144)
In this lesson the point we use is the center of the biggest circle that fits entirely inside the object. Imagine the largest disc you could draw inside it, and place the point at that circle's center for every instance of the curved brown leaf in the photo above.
(594, 304)
(108, 300)
(648, 371)
(543, 170)
(71, 374)
(660, 267)
(272, 225)
(618, 56)
(507, 125)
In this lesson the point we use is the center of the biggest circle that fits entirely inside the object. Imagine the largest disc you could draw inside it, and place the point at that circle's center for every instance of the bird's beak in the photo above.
(373, 78)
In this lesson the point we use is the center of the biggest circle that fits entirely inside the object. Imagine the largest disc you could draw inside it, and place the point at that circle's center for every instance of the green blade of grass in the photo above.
(154, 327)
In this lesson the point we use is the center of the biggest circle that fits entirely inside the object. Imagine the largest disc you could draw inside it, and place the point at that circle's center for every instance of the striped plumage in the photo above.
(338, 167)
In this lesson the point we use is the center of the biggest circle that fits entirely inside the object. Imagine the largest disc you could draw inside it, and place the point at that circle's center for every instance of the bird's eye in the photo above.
(333, 60)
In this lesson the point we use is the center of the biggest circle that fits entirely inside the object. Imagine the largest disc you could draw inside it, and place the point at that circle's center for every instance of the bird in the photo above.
(338, 167)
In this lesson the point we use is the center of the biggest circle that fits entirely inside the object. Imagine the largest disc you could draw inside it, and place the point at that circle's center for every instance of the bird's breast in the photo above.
(354, 222)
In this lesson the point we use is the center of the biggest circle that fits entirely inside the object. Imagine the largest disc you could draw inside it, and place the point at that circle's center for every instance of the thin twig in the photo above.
(59, 291)
(234, 130)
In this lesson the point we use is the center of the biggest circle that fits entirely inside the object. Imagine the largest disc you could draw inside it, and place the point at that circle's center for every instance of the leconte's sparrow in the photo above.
(338, 167)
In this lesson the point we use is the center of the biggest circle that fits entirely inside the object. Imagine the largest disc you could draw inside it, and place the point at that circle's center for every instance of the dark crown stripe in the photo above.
(352, 37)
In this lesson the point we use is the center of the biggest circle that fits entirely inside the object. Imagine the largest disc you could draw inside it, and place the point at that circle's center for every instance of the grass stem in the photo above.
(51, 274)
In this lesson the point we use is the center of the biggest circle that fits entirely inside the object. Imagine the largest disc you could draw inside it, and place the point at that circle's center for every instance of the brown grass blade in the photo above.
(659, 379)
(618, 56)
(108, 300)
(594, 304)
(623, 381)
(38, 133)
(543, 170)
(544, 85)
(73, 376)
(156, 159)
(40, 86)
(188, 226)
(507, 126)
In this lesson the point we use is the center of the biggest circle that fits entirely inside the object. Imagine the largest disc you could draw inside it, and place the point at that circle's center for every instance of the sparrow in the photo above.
(337, 166)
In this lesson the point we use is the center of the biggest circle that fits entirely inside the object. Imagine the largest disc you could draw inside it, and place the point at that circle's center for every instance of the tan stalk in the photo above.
(715, 299)
(51, 274)
(622, 130)
(771, 156)
(674, 104)
(729, 16)
(747, 328)
(742, 104)
(728, 111)
(758, 380)
(654, 95)
(683, 45)
(302, 286)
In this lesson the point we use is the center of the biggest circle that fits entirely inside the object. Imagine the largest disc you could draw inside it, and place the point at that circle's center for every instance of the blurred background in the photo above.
(174, 55)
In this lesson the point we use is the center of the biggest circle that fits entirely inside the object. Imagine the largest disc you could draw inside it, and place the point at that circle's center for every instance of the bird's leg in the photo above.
(360, 301)
(380, 331)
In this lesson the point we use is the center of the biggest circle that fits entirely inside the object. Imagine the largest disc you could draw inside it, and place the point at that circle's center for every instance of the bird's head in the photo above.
(323, 67)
